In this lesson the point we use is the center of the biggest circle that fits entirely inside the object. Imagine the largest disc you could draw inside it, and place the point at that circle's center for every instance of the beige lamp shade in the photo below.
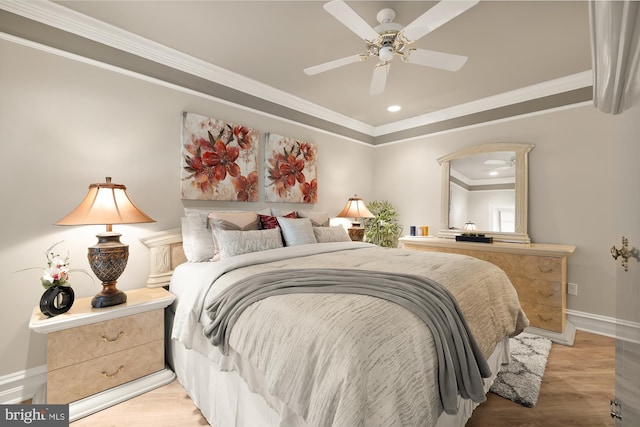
(355, 208)
(469, 227)
(106, 203)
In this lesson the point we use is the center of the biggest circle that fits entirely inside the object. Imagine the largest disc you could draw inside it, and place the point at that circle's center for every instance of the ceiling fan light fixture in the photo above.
(386, 53)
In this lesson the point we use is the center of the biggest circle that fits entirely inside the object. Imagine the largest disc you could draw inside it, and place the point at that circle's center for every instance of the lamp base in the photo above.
(356, 234)
(108, 259)
(110, 295)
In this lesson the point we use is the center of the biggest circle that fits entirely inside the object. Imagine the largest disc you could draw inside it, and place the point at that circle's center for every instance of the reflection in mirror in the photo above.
(483, 191)
(486, 185)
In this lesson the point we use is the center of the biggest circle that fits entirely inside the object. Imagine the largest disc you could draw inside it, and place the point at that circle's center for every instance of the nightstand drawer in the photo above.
(72, 346)
(72, 383)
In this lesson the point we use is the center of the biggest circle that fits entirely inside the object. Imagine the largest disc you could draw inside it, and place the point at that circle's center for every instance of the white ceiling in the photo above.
(510, 45)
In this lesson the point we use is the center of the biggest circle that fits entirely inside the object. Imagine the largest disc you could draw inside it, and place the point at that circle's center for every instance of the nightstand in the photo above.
(98, 357)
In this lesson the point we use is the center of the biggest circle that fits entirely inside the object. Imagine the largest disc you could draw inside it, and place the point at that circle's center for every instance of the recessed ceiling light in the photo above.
(394, 108)
(493, 173)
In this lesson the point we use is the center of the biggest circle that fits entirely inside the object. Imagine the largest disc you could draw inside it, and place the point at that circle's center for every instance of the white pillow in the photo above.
(296, 231)
(236, 242)
(318, 219)
(196, 239)
(331, 234)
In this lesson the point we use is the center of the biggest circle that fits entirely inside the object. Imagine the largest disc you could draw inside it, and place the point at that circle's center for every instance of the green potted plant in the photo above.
(384, 229)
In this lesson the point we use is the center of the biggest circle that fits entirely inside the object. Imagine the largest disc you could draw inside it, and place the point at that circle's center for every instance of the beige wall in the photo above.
(64, 125)
(571, 188)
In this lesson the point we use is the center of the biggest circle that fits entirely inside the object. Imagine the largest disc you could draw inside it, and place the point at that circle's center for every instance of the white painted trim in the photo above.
(74, 22)
(22, 385)
(487, 123)
(604, 325)
(551, 87)
(60, 17)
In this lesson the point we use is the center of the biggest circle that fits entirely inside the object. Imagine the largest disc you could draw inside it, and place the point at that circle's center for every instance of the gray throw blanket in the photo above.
(461, 364)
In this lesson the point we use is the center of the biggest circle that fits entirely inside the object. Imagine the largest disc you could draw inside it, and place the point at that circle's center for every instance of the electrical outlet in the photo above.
(572, 288)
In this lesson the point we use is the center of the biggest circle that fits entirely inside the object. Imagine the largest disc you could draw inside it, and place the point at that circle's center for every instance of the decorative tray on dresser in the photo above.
(538, 271)
(97, 357)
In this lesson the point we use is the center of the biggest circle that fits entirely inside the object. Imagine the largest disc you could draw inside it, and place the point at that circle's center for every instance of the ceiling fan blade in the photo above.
(316, 69)
(495, 162)
(353, 21)
(379, 79)
(433, 18)
(432, 58)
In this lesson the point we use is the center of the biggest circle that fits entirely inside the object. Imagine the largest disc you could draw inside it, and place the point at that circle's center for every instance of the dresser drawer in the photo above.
(72, 346)
(544, 316)
(538, 291)
(75, 382)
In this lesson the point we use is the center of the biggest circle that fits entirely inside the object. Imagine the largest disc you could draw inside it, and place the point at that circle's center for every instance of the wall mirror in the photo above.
(486, 185)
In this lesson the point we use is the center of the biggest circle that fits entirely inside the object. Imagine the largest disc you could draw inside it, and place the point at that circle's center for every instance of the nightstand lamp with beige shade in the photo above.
(355, 209)
(107, 204)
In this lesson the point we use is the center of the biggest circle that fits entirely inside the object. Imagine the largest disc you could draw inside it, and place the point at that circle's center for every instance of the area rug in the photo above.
(520, 380)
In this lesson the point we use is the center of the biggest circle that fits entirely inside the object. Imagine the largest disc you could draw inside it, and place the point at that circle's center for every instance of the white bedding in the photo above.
(360, 379)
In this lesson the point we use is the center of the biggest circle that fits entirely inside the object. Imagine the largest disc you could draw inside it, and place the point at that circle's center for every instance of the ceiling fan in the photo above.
(390, 39)
(496, 164)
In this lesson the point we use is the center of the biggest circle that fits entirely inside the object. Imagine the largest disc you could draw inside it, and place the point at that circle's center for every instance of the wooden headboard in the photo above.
(165, 254)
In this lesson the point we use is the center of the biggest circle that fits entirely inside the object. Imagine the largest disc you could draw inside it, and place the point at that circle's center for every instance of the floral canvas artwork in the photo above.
(290, 170)
(219, 160)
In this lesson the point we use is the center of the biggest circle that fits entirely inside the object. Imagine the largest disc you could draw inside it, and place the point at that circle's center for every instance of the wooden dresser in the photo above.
(538, 271)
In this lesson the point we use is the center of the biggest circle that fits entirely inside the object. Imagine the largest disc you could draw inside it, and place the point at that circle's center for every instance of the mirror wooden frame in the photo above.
(522, 184)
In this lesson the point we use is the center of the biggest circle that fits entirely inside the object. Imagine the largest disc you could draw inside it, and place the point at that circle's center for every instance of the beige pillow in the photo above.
(318, 219)
(229, 220)
(331, 234)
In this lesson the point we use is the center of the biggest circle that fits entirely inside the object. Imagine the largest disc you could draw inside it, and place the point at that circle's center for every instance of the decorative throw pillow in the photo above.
(318, 219)
(223, 220)
(197, 242)
(268, 221)
(296, 231)
(235, 242)
(331, 234)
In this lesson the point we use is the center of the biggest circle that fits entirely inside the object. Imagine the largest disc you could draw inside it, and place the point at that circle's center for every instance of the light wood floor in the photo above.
(576, 388)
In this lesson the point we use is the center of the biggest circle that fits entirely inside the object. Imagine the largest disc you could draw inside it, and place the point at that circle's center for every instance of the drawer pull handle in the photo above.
(107, 339)
(114, 374)
(545, 294)
(545, 319)
(545, 270)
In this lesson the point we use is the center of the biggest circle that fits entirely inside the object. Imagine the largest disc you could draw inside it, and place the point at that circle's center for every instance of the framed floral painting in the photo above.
(219, 160)
(290, 170)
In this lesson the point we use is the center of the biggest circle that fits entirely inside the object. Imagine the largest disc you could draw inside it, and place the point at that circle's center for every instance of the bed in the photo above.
(325, 358)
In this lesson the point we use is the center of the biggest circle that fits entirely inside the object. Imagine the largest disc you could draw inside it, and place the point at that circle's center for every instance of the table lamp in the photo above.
(356, 209)
(107, 203)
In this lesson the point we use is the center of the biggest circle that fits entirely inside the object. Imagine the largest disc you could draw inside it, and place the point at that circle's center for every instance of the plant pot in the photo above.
(56, 300)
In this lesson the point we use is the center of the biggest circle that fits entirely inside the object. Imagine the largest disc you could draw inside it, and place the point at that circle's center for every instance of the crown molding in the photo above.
(551, 87)
(65, 19)
(60, 17)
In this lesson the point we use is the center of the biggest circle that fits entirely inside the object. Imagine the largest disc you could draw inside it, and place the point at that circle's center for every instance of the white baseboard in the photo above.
(20, 386)
(604, 325)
